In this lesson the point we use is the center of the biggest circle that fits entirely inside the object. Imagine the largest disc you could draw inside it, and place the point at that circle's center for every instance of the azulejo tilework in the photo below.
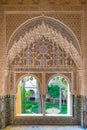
(85, 112)
(75, 119)
(7, 112)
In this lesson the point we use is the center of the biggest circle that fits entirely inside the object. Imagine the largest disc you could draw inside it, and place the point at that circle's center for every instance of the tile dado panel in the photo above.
(75, 120)
(85, 112)
(7, 114)
(6, 110)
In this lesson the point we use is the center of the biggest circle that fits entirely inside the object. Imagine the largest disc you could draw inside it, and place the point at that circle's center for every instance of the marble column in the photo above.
(43, 92)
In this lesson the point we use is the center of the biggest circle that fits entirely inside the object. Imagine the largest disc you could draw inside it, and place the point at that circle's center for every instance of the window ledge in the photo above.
(29, 115)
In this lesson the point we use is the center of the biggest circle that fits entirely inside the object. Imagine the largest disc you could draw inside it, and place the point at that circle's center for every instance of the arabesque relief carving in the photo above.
(43, 48)
(42, 53)
(36, 53)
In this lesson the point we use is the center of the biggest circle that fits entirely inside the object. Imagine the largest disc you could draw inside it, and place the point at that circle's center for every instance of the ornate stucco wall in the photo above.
(14, 13)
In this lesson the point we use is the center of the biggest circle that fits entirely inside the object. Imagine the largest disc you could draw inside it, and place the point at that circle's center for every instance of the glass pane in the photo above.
(29, 95)
(57, 96)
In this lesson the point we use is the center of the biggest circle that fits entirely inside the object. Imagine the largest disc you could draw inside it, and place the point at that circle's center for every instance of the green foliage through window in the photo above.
(54, 91)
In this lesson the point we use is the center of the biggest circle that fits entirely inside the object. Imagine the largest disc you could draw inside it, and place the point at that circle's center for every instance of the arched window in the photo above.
(58, 98)
(28, 96)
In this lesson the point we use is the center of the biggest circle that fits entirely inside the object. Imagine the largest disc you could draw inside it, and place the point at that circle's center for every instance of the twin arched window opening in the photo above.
(57, 100)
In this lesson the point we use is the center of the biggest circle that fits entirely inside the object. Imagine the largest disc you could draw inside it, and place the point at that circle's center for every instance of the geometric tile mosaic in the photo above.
(85, 112)
(7, 112)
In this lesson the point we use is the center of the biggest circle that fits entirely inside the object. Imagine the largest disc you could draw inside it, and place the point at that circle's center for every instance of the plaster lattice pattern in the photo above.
(2, 53)
(16, 76)
(45, 31)
(42, 53)
(11, 80)
(73, 21)
(39, 1)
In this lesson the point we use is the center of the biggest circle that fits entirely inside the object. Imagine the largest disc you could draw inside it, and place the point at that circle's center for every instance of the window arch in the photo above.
(58, 97)
(28, 98)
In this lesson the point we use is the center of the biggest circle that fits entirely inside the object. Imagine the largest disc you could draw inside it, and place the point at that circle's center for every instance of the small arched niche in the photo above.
(58, 97)
(28, 97)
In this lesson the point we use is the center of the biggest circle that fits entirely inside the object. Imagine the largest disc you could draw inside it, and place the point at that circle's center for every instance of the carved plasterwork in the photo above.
(38, 75)
(43, 46)
(68, 76)
(49, 22)
(67, 1)
(48, 76)
(44, 31)
(11, 80)
(20, 1)
(83, 1)
(73, 19)
(19, 75)
(16, 76)
(39, 1)
(42, 53)
(36, 1)
(52, 1)
(4, 1)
